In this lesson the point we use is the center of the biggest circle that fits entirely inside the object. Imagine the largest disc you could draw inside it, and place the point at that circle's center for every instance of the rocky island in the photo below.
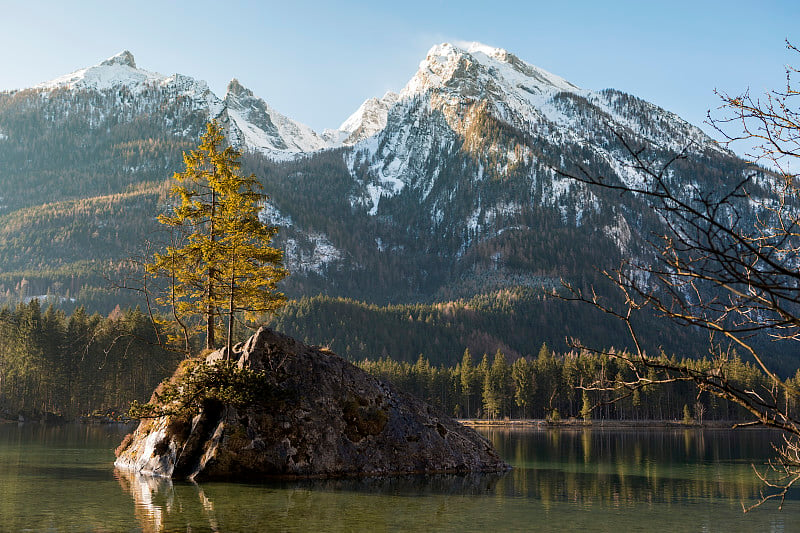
(320, 417)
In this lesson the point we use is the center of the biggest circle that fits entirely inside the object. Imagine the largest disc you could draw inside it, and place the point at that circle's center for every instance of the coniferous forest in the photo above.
(55, 365)
(68, 366)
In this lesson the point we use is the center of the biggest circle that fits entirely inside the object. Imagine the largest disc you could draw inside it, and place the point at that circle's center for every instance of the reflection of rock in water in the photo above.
(320, 504)
(321, 417)
(162, 506)
(152, 498)
(414, 485)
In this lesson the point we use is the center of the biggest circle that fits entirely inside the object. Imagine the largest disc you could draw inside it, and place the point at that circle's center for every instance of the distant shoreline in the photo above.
(598, 424)
(476, 423)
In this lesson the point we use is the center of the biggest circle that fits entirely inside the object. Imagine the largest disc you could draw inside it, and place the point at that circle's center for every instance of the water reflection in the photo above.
(680, 480)
(151, 496)
(161, 505)
(598, 467)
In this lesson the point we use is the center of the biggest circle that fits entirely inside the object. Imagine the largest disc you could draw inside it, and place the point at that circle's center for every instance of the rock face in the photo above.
(324, 418)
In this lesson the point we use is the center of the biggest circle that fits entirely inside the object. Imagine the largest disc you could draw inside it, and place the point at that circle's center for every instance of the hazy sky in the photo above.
(317, 61)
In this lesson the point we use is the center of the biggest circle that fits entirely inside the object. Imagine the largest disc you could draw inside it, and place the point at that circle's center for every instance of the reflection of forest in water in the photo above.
(60, 478)
(618, 467)
(678, 477)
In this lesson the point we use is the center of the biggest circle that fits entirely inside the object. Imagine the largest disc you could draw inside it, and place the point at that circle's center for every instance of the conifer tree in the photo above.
(586, 408)
(468, 374)
(524, 384)
(220, 264)
(497, 385)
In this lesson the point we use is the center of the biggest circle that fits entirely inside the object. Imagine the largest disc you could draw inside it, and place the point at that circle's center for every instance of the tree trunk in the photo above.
(229, 353)
(210, 340)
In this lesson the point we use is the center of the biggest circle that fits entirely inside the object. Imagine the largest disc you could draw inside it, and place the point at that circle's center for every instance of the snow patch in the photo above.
(473, 220)
(374, 194)
(503, 209)
(315, 254)
(383, 179)
(619, 232)
(48, 299)
(270, 214)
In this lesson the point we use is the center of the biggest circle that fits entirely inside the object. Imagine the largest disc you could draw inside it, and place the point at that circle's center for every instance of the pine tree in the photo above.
(481, 376)
(497, 387)
(468, 379)
(220, 263)
(524, 384)
(586, 408)
(687, 415)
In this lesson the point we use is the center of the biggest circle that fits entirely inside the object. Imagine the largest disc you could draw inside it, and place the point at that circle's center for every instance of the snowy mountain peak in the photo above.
(117, 71)
(236, 89)
(252, 124)
(256, 126)
(124, 58)
(456, 103)
(368, 119)
(469, 66)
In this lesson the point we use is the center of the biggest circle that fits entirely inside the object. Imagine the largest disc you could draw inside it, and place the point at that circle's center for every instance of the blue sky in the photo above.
(317, 61)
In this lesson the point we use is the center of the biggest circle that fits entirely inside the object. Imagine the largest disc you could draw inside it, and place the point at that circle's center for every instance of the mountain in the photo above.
(370, 118)
(253, 125)
(486, 103)
(457, 191)
(445, 190)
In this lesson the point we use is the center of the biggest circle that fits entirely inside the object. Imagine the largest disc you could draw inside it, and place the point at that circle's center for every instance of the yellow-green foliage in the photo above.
(220, 263)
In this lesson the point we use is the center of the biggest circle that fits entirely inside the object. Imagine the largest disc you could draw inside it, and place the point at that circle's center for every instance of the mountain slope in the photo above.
(99, 137)
(447, 189)
(254, 125)
(459, 191)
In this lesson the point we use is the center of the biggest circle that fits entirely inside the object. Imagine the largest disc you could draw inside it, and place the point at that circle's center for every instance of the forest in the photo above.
(558, 386)
(55, 365)
(59, 366)
(515, 320)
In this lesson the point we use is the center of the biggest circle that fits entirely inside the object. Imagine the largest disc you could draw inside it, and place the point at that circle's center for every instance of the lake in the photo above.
(60, 478)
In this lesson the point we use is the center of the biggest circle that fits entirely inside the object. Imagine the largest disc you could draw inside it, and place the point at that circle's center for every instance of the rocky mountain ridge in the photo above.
(450, 188)
(519, 92)
(252, 124)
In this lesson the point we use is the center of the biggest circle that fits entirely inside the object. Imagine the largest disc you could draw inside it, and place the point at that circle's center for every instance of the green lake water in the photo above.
(61, 479)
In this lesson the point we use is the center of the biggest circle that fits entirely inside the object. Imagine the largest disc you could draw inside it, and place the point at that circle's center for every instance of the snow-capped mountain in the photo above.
(456, 88)
(369, 119)
(528, 97)
(456, 186)
(447, 188)
(120, 72)
(256, 126)
(116, 71)
(252, 124)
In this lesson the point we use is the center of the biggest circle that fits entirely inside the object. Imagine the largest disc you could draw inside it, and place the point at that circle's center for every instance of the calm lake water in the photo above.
(62, 479)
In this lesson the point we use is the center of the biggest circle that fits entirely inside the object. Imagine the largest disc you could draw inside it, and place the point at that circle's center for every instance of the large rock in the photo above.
(323, 417)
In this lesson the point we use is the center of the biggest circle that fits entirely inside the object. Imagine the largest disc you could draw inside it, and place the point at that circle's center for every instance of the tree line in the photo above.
(514, 320)
(557, 386)
(77, 364)
(72, 365)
